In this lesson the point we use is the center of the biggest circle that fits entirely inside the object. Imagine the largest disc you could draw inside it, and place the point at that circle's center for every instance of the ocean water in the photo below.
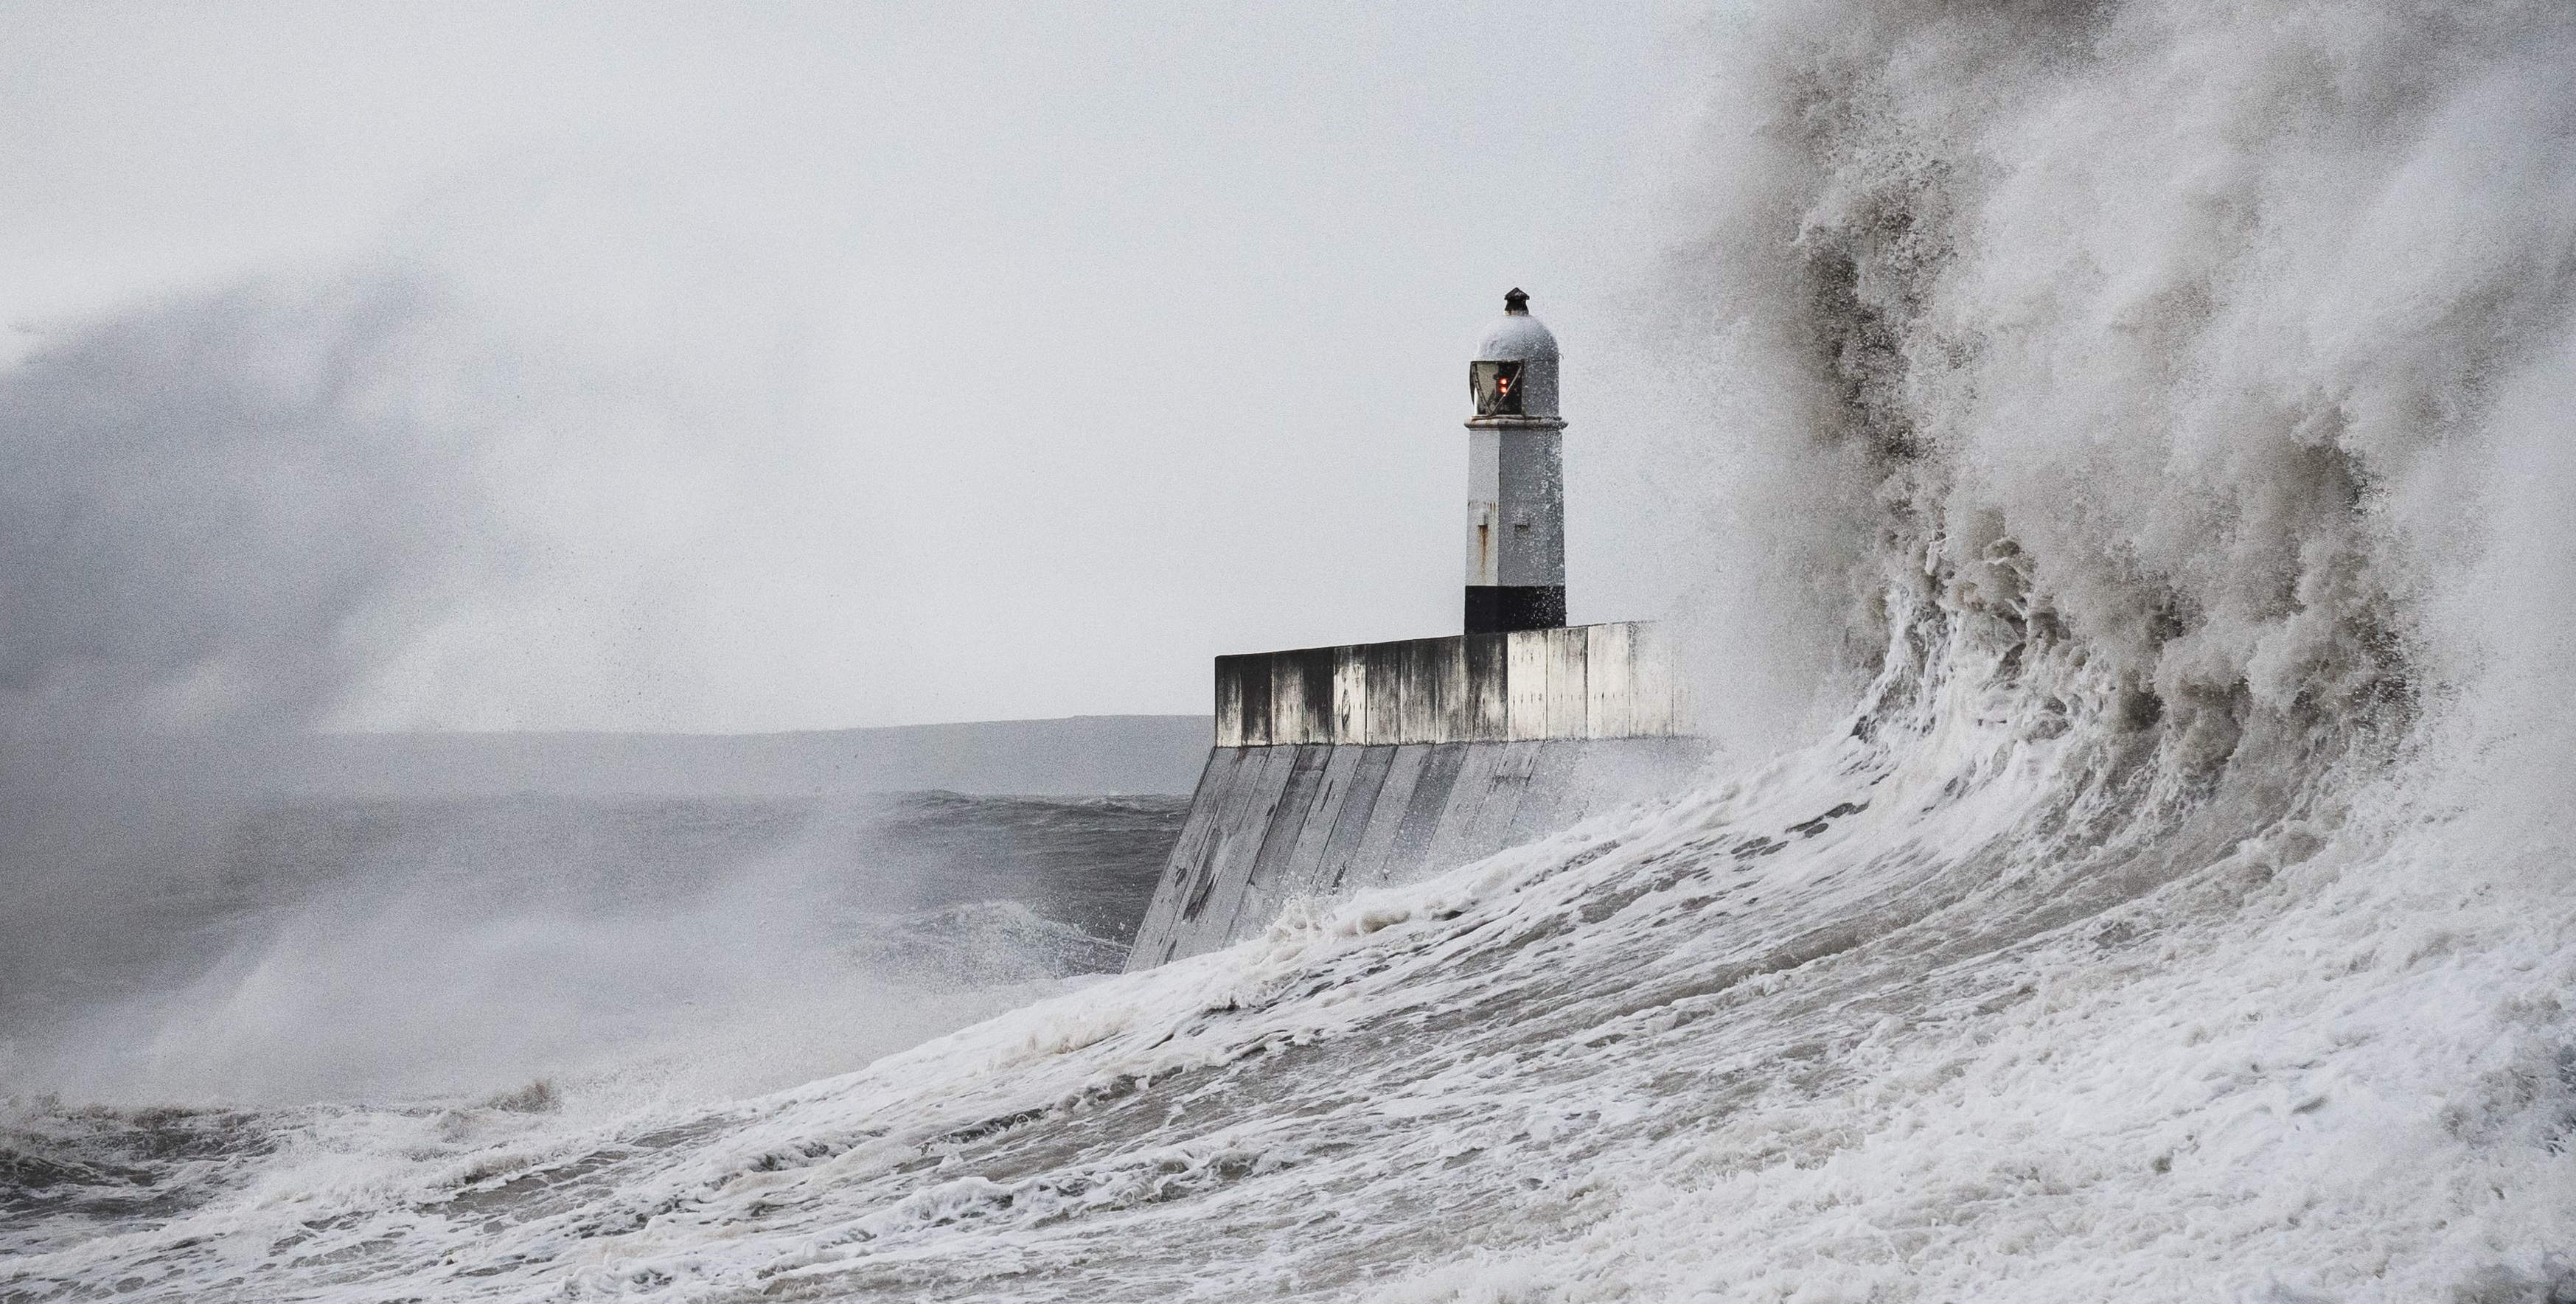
(406, 950)
(2154, 419)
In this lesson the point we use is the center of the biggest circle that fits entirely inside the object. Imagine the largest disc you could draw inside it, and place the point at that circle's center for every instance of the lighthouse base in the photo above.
(1339, 769)
(1507, 608)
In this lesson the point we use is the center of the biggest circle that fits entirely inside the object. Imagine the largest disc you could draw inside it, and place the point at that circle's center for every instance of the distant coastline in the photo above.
(1074, 755)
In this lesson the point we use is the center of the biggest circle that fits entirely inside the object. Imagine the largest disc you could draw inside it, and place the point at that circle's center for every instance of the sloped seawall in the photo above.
(1345, 768)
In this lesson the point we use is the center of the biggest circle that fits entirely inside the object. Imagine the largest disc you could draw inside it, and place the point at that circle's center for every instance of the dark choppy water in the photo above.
(384, 950)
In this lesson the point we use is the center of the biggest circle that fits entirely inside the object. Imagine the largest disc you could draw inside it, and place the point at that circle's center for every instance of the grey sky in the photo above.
(838, 365)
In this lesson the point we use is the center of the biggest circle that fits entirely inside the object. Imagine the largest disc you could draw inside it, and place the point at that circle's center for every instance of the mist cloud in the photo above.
(216, 516)
(220, 513)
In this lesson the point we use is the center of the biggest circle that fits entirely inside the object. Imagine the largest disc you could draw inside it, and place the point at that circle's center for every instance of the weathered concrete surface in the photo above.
(1589, 681)
(1329, 820)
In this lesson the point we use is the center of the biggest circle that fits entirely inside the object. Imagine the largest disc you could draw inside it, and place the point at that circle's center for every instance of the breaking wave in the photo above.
(2164, 406)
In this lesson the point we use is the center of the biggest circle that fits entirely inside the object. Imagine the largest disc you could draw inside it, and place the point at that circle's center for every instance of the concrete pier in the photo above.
(1339, 769)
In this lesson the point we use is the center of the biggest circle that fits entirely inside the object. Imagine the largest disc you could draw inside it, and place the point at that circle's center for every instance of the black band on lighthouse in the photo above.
(1503, 608)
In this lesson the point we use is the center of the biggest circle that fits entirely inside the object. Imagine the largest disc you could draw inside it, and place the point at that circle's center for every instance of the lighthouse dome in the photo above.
(1513, 377)
(1517, 336)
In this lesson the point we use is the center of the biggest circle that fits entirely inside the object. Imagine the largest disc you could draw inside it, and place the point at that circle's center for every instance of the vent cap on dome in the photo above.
(1518, 337)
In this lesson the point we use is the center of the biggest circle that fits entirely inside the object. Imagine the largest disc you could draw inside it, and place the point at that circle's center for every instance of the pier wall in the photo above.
(1339, 769)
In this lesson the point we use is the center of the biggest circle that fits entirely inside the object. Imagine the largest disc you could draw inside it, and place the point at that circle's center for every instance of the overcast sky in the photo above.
(838, 365)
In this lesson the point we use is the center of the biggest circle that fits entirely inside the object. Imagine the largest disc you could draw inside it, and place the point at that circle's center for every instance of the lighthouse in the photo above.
(1365, 765)
(1515, 478)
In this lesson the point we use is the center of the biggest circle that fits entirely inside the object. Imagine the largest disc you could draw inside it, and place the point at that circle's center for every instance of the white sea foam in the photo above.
(2183, 912)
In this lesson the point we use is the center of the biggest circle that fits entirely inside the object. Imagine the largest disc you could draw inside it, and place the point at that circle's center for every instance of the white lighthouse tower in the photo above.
(1372, 764)
(1515, 478)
